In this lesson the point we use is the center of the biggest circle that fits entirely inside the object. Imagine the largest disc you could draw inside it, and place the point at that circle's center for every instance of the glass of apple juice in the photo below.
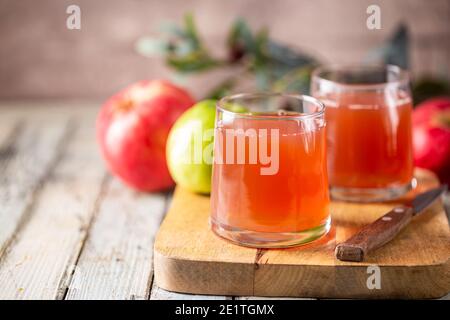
(269, 184)
(369, 135)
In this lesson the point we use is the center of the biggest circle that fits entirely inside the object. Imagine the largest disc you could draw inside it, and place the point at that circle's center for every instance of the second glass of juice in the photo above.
(368, 113)
(269, 185)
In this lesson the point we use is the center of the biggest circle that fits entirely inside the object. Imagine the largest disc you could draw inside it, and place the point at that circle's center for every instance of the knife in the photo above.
(385, 228)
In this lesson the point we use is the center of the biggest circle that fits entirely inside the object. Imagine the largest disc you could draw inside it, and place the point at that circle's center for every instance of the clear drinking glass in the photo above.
(368, 114)
(269, 185)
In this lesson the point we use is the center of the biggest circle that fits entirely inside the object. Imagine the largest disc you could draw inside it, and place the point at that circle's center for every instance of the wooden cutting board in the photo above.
(190, 258)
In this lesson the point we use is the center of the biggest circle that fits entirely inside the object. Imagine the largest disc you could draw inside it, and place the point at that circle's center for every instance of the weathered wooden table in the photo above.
(68, 230)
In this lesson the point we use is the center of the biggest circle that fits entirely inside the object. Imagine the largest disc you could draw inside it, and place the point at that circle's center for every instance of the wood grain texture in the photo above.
(99, 59)
(189, 258)
(161, 294)
(38, 263)
(116, 262)
(28, 154)
(447, 297)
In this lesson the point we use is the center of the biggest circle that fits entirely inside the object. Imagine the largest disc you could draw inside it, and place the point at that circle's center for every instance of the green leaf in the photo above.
(265, 59)
(287, 57)
(190, 64)
(172, 29)
(184, 50)
(243, 43)
(394, 51)
(263, 78)
(191, 31)
(241, 34)
(297, 80)
(149, 47)
(223, 89)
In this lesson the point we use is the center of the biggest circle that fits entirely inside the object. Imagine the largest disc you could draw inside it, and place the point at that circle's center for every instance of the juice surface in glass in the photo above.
(369, 141)
(285, 205)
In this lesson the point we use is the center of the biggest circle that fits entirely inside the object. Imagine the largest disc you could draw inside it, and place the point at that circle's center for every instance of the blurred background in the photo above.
(41, 59)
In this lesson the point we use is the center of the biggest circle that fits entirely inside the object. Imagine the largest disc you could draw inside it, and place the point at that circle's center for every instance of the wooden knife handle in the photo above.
(374, 235)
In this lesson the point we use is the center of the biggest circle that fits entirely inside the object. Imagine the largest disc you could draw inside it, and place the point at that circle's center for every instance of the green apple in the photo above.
(190, 146)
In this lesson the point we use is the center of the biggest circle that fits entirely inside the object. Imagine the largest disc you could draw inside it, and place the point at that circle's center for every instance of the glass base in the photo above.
(255, 239)
(371, 194)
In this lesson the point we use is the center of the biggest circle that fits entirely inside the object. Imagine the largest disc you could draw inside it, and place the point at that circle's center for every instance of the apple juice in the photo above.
(369, 141)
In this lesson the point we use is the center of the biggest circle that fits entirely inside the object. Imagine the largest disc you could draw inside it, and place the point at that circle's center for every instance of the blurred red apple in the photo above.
(132, 129)
(431, 136)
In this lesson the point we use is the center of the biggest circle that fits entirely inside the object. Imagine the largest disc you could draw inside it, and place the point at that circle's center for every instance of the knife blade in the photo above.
(384, 229)
(425, 199)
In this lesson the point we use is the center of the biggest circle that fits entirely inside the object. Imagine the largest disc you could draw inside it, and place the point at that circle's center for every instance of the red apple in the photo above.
(132, 129)
(431, 136)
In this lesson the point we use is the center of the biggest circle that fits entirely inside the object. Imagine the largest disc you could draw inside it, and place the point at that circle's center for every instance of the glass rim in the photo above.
(300, 97)
(403, 76)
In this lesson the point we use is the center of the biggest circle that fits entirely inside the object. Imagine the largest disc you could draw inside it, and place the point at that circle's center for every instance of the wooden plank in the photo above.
(446, 297)
(416, 264)
(27, 158)
(39, 261)
(116, 262)
(161, 294)
(9, 129)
